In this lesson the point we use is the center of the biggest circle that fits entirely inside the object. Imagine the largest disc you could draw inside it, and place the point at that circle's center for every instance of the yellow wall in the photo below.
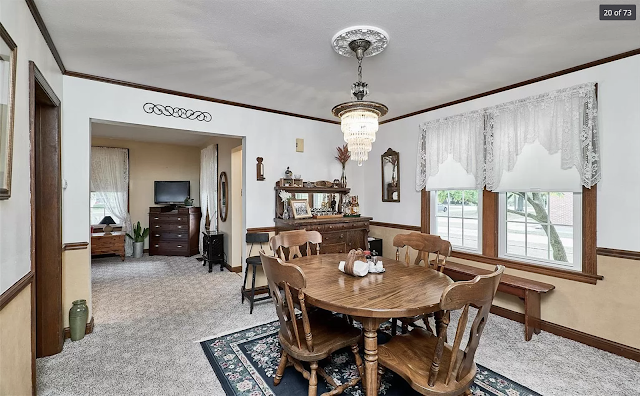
(607, 310)
(149, 162)
(15, 345)
(76, 280)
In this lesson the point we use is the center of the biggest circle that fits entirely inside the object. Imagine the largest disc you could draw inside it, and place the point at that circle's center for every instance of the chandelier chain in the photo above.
(360, 69)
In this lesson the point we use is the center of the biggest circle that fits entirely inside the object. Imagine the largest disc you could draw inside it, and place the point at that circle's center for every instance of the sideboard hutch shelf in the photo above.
(339, 235)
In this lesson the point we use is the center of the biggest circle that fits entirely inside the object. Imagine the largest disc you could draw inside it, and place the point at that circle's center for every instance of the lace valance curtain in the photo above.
(562, 121)
(110, 182)
(459, 139)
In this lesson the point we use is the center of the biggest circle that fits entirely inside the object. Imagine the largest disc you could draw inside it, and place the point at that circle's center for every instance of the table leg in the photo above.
(370, 380)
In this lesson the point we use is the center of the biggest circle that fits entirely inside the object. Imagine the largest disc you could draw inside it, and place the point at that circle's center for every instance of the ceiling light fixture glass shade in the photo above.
(359, 118)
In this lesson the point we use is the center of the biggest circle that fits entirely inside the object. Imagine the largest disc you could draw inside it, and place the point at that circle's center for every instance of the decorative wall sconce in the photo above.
(260, 169)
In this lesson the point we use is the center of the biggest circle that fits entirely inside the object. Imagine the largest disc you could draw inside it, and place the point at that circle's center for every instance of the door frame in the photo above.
(37, 81)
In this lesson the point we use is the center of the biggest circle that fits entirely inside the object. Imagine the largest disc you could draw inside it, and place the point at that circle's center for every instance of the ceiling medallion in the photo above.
(377, 38)
(359, 118)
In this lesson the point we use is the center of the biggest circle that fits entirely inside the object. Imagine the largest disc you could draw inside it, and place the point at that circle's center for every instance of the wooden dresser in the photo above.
(174, 232)
(112, 243)
(339, 235)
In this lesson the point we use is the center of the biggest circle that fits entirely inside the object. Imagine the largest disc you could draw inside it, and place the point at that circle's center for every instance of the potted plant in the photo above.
(138, 238)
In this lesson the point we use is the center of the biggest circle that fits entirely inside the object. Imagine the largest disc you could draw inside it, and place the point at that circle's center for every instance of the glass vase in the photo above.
(343, 178)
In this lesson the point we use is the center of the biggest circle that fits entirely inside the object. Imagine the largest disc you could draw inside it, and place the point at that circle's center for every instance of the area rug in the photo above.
(245, 362)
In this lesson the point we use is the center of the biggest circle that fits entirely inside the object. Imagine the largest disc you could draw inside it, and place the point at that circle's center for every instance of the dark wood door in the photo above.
(47, 217)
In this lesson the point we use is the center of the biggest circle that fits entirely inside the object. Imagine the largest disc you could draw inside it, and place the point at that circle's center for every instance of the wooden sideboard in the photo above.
(339, 235)
(112, 243)
(174, 232)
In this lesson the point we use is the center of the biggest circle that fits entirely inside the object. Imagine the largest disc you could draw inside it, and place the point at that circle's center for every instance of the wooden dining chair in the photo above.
(425, 245)
(292, 240)
(312, 337)
(428, 363)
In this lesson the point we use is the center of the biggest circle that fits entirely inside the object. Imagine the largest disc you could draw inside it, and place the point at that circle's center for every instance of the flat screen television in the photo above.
(171, 192)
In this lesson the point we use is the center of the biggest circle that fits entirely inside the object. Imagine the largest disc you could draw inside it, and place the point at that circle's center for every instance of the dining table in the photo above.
(403, 290)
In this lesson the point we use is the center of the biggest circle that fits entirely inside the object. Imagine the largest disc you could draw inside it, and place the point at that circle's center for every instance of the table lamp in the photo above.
(107, 221)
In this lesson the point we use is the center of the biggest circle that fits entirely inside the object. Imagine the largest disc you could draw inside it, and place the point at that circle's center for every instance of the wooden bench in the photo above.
(527, 290)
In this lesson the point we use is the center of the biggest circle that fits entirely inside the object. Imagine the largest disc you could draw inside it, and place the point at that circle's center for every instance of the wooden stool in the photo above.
(254, 262)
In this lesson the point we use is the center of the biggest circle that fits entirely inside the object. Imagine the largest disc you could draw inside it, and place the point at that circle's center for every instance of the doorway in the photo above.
(46, 215)
(236, 205)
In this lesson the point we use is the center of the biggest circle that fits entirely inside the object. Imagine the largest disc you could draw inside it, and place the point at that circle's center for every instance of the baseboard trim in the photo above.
(233, 269)
(397, 226)
(16, 288)
(575, 335)
(88, 330)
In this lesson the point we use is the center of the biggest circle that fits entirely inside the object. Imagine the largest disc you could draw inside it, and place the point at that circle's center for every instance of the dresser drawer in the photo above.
(168, 227)
(169, 247)
(333, 248)
(334, 237)
(169, 235)
(169, 218)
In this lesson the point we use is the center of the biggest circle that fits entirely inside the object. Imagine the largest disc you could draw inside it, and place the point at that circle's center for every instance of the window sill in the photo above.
(538, 269)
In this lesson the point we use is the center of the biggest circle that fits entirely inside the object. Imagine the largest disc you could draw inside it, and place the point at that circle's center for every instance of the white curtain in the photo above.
(209, 188)
(562, 121)
(110, 181)
(451, 153)
(487, 143)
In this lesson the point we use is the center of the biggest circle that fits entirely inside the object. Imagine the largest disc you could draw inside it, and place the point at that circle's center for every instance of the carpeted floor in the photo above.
(150, 314)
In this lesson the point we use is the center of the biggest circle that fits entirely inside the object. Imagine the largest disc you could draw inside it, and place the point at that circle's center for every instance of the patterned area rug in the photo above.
(246, 362)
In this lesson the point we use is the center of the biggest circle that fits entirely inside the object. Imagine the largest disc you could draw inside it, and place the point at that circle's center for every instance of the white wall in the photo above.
(619, 127)
(270, 136)
(15, 213)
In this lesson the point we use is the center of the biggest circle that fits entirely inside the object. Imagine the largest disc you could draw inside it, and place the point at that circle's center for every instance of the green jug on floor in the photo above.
(78, 315)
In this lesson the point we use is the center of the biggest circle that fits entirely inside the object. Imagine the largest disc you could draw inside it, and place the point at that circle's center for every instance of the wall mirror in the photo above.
(7, 106)
(223, 196)
(390, 176)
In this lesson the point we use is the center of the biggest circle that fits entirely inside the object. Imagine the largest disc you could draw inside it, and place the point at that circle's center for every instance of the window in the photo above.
(458, 218)
(541, 227)
(99, 210)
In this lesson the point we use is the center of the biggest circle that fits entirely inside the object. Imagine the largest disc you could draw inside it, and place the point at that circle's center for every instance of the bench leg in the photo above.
(531, 314)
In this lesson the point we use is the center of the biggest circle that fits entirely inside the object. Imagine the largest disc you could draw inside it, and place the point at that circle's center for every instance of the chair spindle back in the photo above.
(478, 292)
(425, 244)
(293, 240)
(284, 278)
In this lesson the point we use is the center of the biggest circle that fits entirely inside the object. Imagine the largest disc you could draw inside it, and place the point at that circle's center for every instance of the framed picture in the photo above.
(300, 209)
(8, 59)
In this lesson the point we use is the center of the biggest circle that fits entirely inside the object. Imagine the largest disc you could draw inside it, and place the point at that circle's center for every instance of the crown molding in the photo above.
(45, 33)
(520, 84)
(192, 96)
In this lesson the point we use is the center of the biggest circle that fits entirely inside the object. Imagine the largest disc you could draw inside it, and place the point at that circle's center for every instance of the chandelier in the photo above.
(359, 117)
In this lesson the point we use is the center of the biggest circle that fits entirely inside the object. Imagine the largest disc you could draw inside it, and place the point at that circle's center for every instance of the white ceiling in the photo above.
(277, 53)
(140, 133)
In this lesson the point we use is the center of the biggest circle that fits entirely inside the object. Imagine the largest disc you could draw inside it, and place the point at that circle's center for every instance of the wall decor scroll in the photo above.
(8, 59)
(177, 112)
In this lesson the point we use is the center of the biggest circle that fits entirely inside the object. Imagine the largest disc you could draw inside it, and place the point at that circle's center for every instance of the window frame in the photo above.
(490, 238)
(577, 236)
(434, 219)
